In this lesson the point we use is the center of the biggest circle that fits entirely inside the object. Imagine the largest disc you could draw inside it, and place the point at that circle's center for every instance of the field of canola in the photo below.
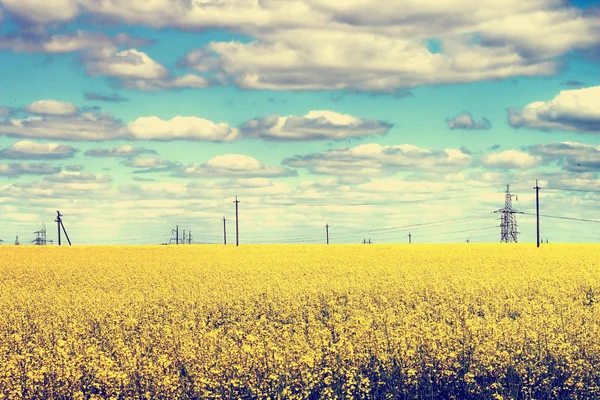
(494, 321)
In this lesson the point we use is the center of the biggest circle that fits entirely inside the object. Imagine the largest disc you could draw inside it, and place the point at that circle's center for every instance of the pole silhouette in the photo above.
(327, 232)
(237, 234)
(224, 231)
(537, 211)
(409, 238)
(60, 223)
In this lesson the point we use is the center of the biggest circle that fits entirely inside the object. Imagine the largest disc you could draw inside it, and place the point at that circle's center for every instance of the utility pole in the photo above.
(364, 241)
(327, 232)
(17, 240)
(183, 241)
(409, 238)
(224, 231)
(58, 220)
(467, 240)
(237, 232)
(369, 240)
(189, 237)
(537, 211)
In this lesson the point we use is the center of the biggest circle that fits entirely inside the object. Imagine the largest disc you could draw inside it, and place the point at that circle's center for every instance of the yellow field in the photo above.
(357, 321)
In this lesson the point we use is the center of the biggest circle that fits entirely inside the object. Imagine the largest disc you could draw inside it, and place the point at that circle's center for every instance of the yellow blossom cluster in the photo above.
(467, 321)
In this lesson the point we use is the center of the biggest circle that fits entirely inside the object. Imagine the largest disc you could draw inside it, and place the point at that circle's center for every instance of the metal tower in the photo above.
(40, 239)
(508, 219)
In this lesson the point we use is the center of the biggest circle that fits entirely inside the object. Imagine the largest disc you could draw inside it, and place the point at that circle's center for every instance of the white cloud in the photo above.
(375, 160)
(43, 11)
(125, 64)
(571, 110)
(316, 125)
(510, 159)
(121, 151)
(181, 128)
(90, 126)
(69, 176)
(234, 165)
(576, 157)
(17, 169)
(369, 45)
(147, 162)
(290, 60)
(30, 150)
(66, 43)
(179, 82)
(51, 107)
(466, 121)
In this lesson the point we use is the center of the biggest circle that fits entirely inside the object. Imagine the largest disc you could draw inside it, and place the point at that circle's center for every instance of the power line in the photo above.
(567, 218)
(573, 190)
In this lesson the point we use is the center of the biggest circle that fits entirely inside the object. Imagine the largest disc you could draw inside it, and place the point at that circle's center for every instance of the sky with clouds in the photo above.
(378, 118)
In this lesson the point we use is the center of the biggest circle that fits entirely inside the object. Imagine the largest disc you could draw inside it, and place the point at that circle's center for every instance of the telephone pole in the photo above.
(189, 237)
(237, 234)
(58, 220)
(537, 211)
(224, 231)
(409, 238)
(183, 241)
(327, 232)
(369, 240)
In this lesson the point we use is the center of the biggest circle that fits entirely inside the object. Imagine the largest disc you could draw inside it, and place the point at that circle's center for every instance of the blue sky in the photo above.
(368, 115)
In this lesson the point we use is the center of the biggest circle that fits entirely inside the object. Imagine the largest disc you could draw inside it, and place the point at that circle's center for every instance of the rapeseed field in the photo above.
(490, 321)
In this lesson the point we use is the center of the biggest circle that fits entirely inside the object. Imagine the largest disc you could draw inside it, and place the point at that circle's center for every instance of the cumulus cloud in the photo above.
(68, 176)
(27, 150)
(109, 98)
(172, 82)
(39, 12)
(371, 45)
(466, 121)
(122, 151)
(17, 169)
(126, 64)
(57, 122)
(571, 110)
(376, 160)
(316, 125)
(51, 107)
(576, 157)
(148, 162)
(66, 43)
(234, 165)
(74, 168)
(509, 159)
(292, 61)
(181, 128)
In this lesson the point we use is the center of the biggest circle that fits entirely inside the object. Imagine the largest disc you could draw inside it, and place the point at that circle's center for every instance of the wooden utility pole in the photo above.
(327, 232)
(537, 211)
(60, 223)
(237, 233)
(409, 238)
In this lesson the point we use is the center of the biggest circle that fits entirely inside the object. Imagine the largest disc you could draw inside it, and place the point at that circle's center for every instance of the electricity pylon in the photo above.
(508, 219)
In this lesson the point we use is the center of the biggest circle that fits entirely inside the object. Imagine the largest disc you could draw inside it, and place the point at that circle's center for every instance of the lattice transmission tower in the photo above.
(508, 219)
(40, 238)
